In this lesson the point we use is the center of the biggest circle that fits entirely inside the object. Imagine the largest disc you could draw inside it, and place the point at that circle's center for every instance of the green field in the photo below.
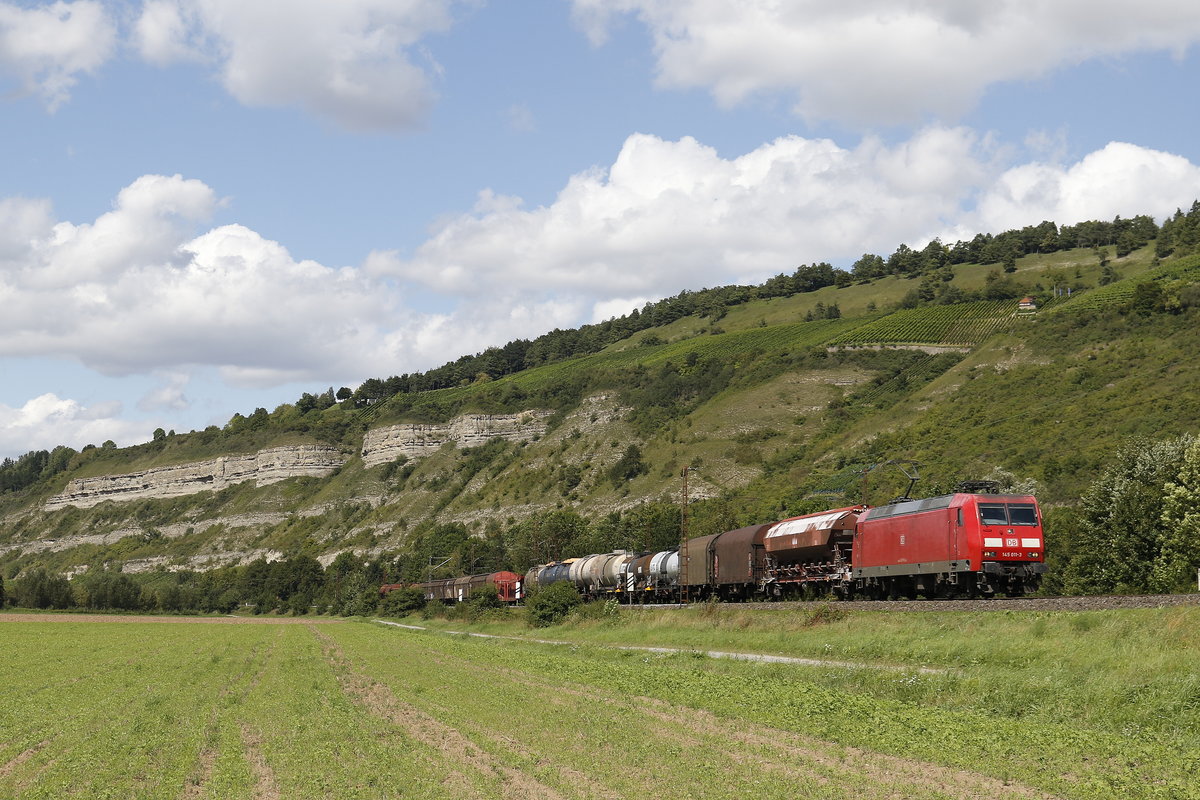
(1084, 705)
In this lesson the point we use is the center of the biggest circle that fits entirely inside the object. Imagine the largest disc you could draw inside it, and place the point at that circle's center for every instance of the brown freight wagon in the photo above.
(729, 564)
(509, 588)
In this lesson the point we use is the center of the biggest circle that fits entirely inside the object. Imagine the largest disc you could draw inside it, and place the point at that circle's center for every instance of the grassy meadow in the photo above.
(1072, 705)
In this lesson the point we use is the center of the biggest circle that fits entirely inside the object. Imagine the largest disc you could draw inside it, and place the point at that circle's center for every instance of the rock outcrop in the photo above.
(264, 467)
(382, 445)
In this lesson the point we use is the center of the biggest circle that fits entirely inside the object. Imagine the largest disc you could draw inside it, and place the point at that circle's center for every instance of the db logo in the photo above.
(1010, 542)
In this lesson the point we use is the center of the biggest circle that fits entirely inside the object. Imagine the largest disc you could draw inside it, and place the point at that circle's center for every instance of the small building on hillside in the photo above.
(1026, 305)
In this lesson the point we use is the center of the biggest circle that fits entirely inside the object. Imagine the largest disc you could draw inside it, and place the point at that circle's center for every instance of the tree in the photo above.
(934, 256)
(1179, 556)
(904, 261)
(253, 579)
(547, 536)
(40, 589)
(868, 266)
(651, 526)
(1049, 242)
(1126, 244)
(630, 464)
(1122, 536)
(360, 598)
(1148, 298)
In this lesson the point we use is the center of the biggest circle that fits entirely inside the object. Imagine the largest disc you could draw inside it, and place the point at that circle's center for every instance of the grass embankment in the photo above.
(1075, 705)
(1092, 704)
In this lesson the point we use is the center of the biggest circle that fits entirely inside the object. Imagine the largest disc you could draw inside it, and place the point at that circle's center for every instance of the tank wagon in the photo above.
(960, 544)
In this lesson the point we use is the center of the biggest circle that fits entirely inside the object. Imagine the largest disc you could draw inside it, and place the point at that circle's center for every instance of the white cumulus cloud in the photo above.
(669, 215)
(45, 48)
(349, 61)
(880, 61)
(169, 396)
(673, 214)
(46, 421)
(137, 291)
(1120, 179)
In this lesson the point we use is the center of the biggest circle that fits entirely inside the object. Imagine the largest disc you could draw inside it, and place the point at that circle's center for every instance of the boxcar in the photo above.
(728, 564)
(509, 587)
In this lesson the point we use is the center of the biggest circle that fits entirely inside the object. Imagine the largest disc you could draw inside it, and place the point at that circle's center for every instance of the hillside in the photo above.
(777, 404)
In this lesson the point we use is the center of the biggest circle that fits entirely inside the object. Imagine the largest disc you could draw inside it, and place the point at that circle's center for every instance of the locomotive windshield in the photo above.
(1008, 514)
(1022, 514)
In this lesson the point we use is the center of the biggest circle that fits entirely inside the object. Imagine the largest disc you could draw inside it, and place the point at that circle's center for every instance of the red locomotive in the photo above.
(955, 544)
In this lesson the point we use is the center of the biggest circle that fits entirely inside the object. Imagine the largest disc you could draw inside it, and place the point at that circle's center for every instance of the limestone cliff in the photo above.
(264, 467)
(413, 440)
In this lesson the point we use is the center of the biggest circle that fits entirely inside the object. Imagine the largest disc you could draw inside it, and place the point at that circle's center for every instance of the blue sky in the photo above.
(208, 206)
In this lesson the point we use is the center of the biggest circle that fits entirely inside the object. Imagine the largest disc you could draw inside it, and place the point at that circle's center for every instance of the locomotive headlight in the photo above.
(989, 553)
(1032, 555)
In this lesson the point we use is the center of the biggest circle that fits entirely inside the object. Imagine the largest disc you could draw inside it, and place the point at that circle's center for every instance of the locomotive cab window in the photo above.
(1022, 514)
(1008, 514)
(993, 514)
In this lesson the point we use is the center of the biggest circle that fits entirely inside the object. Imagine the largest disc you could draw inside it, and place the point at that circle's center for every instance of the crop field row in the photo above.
(1120, 293)
(961, 324)
(357, 710)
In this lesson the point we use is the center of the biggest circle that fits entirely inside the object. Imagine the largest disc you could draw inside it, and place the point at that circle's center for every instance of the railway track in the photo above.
(1085, 603)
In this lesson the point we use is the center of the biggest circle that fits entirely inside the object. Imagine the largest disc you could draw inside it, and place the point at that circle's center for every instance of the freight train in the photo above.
(963, 544)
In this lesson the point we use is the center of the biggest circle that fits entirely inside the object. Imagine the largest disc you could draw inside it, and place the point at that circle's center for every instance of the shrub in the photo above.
(402, 602)
(549, 605)
(607, 612)
(486, 597)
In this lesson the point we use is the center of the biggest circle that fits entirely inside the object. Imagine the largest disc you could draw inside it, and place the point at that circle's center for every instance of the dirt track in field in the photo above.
(186, 620)
(379, 700)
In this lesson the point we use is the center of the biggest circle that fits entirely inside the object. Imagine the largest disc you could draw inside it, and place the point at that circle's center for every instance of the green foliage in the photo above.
(40, 589)
(628, 466)
(1180, 235)
(1018, 401)
(1124, 541)
(33, 466)
(546, 537)
(1179, 554)
(105, 589)
(486, 597)
(402, 602)
(1159, 289)
(550, 604)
